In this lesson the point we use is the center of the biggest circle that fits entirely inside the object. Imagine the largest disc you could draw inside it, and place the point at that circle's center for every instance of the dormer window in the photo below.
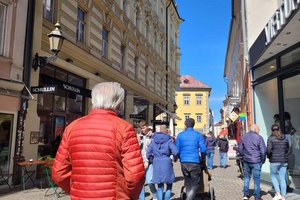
(185, 81)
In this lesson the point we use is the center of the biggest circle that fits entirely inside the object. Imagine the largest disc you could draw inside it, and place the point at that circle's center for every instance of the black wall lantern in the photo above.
(55, 40)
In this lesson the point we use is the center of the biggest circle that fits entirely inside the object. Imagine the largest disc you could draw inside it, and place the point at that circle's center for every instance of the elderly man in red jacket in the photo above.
(99, 155)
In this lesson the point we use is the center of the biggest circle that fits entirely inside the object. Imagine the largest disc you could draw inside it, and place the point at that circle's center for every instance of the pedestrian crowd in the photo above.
(102, 156)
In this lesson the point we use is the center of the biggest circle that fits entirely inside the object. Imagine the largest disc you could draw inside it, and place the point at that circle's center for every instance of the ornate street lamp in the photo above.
(55, 40)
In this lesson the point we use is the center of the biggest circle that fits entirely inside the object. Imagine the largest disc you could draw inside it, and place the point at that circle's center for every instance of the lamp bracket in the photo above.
(41, 61)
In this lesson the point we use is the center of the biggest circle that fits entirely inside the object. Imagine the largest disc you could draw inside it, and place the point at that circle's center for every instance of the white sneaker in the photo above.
(245, 198)
(277, 197)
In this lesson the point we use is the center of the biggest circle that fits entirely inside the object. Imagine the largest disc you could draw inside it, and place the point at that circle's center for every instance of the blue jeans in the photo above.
(210, 158)
(160, 191)
(280, 169)
(223, 159)
(192, 176)
(255, 169)
(149, 175)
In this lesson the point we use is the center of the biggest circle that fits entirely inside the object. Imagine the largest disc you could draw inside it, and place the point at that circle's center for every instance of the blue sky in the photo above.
(203, 41)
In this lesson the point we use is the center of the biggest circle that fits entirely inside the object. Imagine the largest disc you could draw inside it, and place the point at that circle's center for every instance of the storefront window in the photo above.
(266, 105)
(291, 95)
(265, 69)
(58, 109)
(290, 57)
(6, 121)
(75, 104)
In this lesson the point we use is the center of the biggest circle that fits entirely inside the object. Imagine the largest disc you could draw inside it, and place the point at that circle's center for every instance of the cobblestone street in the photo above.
(226, 183)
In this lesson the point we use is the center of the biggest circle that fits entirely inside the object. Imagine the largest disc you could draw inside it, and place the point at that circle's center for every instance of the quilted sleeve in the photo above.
(61, 170)
(134, 171)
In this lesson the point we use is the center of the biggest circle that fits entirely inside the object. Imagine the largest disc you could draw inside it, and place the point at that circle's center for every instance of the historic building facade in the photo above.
(271, 37)
(14, 81)
(192, 99)
(133, 42)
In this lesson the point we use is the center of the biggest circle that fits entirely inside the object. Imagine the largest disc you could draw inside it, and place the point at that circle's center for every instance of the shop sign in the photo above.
(160, 122)
(43, 89)
(280, 18)
(233, 116)
(71, 88)
(136, 116)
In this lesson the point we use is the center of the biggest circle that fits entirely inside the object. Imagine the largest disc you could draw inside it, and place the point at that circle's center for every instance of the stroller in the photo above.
(239, 161)
(206, 190)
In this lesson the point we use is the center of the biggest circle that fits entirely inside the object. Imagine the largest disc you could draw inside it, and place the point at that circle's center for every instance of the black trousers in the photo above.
(192, 175)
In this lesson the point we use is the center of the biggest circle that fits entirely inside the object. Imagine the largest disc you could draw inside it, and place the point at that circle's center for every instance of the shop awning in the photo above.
(13, 88)
(224, 131)
(173, 115)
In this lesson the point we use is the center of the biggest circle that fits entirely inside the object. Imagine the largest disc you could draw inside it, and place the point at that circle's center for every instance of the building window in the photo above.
(2, 27)
(137, 18)
(187, 115)
(146, 75)
(199, 117)
(154, 81)
(198, 99)
(104, 43)
(136, 67)
(124, 5)
(123, 49)
(80, 25)
(48, 10)
(147, 30)
(186, 100)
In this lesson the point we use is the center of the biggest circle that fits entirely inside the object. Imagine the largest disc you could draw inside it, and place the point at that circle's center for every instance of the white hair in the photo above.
(255, 128)
(109, 96)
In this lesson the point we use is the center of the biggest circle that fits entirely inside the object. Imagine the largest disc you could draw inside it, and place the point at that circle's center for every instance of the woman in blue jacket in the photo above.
(160, 150)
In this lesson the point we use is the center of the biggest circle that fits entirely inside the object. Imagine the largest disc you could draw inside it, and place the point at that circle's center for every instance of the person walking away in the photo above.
(223, 149)
(145, 139)
(161, 148)
(211, 143)
(288, 131)
(190, 145)
(252, 148)
(99, 156)
(277, 152)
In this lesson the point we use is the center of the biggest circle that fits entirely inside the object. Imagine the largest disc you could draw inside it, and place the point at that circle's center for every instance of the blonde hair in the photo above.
(108, 95)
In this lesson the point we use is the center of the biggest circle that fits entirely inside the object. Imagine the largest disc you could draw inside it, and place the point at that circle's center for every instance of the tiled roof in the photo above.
(187, 81)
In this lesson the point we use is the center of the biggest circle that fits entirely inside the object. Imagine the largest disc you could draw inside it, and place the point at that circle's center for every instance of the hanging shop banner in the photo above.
(242, 116)
(233, 116)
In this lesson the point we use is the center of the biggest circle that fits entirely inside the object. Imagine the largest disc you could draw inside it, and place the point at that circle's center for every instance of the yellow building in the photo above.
(192, 99)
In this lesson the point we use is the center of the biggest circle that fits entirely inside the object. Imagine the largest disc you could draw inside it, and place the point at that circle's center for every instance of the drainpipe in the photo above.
(167, 44)
(26, 79)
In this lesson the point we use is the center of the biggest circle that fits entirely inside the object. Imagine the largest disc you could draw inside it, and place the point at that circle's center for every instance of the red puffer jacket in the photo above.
(99, 158)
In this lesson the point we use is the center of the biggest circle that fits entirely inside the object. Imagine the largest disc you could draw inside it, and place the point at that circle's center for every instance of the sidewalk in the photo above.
(226, 183)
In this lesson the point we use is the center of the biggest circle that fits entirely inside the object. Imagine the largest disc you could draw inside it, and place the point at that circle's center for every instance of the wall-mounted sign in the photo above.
(279, 18)
(43, 89)
(136, 116)
(233, 116)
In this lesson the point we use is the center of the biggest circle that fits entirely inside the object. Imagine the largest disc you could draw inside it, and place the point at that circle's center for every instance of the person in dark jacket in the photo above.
(252, 148)
(161, 148)
(277, 152)
(223, 149)
(190, 144)
(211, 143)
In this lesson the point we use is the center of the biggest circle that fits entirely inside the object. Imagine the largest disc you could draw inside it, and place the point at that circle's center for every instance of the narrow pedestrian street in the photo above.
(226, 183)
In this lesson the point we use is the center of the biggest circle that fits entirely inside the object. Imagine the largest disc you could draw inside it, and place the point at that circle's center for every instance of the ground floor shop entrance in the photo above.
(276, 100)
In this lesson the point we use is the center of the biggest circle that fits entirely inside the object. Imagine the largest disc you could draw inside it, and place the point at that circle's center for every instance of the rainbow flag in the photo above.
(242, 116)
